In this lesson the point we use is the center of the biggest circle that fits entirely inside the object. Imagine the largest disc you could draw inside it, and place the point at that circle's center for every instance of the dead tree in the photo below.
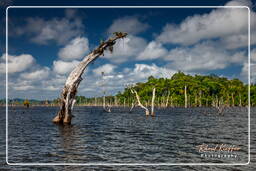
(153, 102)
(131, 107)
(139, 103)
(75, 77)
(186, 98)
(167, 100)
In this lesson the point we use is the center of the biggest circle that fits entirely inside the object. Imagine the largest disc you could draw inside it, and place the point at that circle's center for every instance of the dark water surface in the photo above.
(122, 137)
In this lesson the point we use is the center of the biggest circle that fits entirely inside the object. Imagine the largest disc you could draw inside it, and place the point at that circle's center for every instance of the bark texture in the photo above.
(75, 77)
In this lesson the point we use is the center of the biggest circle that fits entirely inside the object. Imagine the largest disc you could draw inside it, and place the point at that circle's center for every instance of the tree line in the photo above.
(178, 91)
(194, 91)
(181, 90)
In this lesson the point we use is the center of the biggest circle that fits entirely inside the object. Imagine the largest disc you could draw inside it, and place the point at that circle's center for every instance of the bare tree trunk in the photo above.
(217, 101)
(189, 101)
(240, 100)
(75, 77)
(153, 102)
(228, 101)
(131, 107)
(167, 100)
(139, 103)
(233, 100)
(195, 100)
(115, 101)
(171, 102)
(104, 101)
(186, 98)
(200, 96)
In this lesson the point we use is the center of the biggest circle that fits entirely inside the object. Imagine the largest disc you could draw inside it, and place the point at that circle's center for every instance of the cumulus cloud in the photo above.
(131, 25)
(43, 31)
(16, 63)
(202, 57)
(106, 68)
(219, 23)
(63, 67)
(143, 71)
(76, 49)
(244, 72)
(126, 49)
(253, 55)
(239, 3)
(153, 50)
(116, 81)
(54, 83)
(38, 74)
(23, 87)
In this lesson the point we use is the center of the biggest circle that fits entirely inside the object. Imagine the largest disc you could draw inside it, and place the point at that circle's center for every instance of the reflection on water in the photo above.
(67, 135)
(95, 136)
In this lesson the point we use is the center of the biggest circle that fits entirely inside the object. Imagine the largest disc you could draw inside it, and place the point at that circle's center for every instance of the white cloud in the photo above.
(54, 83)
(239, 3)
(16, 63)
(23, 87)
(202, 57)
(131, 25)
(244, 72)
(153, 50)
(126, 49)
(116, 81)
(219, 23)
(42, 31)
(106, 68)
(62, 67)
(253, 55)
(76, 49)
(235, 41)
(37, 74)
(143, 71)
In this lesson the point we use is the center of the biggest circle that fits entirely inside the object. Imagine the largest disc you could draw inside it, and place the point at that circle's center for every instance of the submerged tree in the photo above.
(141, 105)
(68, 95)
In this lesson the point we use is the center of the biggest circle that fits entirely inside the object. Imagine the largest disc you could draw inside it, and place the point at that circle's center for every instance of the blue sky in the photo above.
(46, 44)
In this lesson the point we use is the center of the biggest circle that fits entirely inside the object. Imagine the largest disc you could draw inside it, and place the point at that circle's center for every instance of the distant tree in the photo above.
(26, 103)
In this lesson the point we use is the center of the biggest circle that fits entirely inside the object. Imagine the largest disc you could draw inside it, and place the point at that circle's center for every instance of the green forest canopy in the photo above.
(201, 91)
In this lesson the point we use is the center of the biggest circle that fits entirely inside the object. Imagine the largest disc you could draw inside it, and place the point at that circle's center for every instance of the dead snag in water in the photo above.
(167, 99)
(75, 77)
(131, 107)
(143, 107)
(153, 102)
(186, 98)
(139, 103)
(106, 108)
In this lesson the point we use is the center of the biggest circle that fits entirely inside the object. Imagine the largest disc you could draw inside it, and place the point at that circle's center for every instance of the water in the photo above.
(122, 137)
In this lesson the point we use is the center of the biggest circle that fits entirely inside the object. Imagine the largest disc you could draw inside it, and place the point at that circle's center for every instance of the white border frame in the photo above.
(127, 164)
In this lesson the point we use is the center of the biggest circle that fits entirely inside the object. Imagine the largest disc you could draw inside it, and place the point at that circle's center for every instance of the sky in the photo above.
(45, 44)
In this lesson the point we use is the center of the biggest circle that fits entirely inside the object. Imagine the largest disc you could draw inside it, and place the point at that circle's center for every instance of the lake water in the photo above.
(94, 136)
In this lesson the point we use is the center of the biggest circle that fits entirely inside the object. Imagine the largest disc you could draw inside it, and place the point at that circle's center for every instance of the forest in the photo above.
(210, 90)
